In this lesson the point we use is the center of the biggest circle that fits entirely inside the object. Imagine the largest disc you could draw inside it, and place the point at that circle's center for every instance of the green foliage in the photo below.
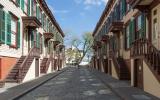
(83, 45)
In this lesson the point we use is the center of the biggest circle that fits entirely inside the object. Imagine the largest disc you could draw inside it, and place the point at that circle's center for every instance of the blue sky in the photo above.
(77, 16)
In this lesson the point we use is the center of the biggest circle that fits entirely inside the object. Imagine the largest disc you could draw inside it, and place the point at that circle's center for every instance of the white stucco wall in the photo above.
(151, 84)
(5, 50)
(132, 72)
(49, 68)
(114, 73)
(31, 72)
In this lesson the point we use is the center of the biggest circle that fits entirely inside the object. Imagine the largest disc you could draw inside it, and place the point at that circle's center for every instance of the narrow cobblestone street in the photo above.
(74, 84)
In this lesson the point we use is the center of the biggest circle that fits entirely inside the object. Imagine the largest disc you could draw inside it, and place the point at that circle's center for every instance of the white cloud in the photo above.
(92, 2)
(78, 1)
(82, 14)
(57, 11)
(87, 7)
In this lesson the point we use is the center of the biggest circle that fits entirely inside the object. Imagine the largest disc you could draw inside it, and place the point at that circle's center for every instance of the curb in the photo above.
(37, 85)
(115, 92)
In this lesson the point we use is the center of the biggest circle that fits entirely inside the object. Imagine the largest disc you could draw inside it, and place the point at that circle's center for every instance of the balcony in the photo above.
(104, 38)
(98, 44)
(94, 47)
(116, 26)
(31, 22)
(48, 36)
(141, 4)
(55, 42)
(61, 47)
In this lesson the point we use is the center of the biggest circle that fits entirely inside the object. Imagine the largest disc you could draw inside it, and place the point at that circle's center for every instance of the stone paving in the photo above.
(123, 88)
(77, 84)
(74, 84)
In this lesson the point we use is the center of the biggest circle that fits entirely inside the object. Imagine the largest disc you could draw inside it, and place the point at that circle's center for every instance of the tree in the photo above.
(83, 45)
(72, 55)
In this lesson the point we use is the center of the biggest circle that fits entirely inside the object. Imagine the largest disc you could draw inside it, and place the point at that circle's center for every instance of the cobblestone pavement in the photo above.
(73, 84)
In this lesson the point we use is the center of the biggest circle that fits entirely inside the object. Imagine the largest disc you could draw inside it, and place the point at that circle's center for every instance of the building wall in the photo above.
(8, 54)
(31, 74)
(151, 84)
(114, 73)
(5, 50)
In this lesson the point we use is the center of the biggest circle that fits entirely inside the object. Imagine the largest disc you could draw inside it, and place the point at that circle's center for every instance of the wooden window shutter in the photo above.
(37, 11)
(22, 5)
(32, 7)
(123, 7)
(29, 7)
(18, 35)
(8, 29)
(38, 40)
(1, 18)
(2, 26)
(32, 39)
(18, 2)
(131, 31)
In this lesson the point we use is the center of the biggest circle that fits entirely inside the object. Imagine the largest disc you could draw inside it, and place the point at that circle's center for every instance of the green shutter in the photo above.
(18, 2)
(29, 7)
(32, 39)
(131, 31)
(42, 21)
(2, 26)
(37, 39)
(1, 18)
(8, 29)
(18, 35)
(22, 5)
(37, 11)
(123, 7)
(143, 26)
(32, 7)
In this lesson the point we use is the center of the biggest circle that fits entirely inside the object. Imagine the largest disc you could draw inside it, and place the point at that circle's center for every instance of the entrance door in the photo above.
(110, 67)
(30, 39)
(105, 65)
(37, 67)
(98, 63)
(156, 28)
(138, 73)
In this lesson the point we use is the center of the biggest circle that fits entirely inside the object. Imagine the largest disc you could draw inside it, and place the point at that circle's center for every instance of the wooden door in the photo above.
(37, 67)
(138, 75)
(110, 67)
(105, 65)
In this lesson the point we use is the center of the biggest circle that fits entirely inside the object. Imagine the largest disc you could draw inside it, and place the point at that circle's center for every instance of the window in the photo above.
(40, 15)
(155, 29)
(14, 24)
(34, 8)
(41, 44)
(139, 23)
(127, 41)
(140, 26)
(128, 7)
(25, 6)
